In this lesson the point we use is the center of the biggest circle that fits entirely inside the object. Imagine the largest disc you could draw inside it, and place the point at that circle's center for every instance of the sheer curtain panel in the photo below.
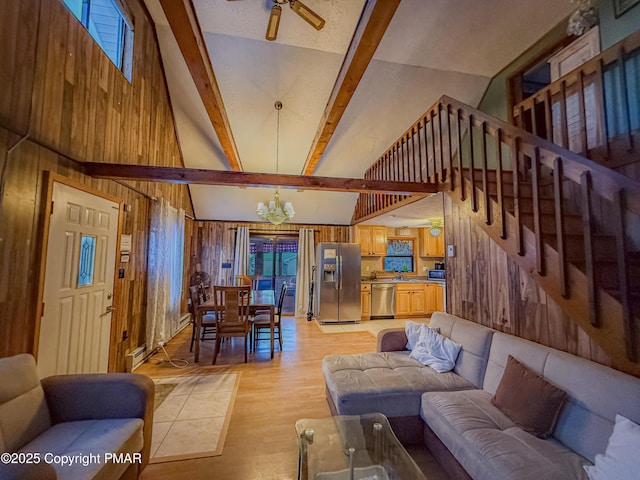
(165, 267)
(241, 256)
(306, 260)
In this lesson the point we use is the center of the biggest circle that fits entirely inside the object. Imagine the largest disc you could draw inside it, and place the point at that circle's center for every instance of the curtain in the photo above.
(306, 260)
(165, 268)
(241, 256)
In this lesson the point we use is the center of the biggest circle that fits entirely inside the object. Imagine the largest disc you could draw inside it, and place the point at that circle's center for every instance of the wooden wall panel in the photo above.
(486, 286)
(60, 90)
(212, 243)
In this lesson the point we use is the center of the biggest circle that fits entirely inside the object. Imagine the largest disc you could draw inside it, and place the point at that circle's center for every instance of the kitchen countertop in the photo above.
(396, 280)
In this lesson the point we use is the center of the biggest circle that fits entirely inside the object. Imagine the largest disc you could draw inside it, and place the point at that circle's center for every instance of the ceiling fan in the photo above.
(308, 15)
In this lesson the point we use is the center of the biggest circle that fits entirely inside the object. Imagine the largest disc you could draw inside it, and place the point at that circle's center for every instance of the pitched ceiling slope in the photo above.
(430, 49)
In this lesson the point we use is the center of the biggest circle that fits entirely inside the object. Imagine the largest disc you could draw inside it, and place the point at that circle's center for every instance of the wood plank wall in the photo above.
(486, 286)
(61, 89)
(209, 244)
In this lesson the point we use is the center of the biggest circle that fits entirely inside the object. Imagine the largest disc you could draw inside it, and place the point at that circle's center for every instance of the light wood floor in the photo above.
(261, 442)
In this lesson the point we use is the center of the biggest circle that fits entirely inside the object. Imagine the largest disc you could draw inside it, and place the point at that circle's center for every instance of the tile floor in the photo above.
(371, 326)
(192, 419)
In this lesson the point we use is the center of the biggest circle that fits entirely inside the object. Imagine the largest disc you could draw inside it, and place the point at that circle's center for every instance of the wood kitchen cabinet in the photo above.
(365, 300)
(372, 240)
(410, 299)
(434, 298)
(431, 246)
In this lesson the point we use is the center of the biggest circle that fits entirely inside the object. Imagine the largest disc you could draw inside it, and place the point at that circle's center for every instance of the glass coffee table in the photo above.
(352, 447)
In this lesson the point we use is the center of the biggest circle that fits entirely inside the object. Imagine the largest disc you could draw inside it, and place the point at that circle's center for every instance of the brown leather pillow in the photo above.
(528, 399)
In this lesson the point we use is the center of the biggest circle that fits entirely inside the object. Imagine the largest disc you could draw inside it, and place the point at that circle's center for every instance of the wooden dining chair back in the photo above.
(231, 306)
(208, 324)
(262, 321)
(247, 280)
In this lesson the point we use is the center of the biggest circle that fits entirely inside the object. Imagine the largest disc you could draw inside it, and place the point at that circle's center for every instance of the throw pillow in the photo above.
(435, 351)
(621, 459)
(412, 331)
(528, 399)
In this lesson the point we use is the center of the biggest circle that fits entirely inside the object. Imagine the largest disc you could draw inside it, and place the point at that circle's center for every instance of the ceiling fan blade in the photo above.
(308, 15)
(274, 22)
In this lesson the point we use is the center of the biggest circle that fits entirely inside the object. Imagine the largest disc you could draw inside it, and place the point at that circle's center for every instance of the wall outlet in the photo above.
(451, 250)
(424, 269)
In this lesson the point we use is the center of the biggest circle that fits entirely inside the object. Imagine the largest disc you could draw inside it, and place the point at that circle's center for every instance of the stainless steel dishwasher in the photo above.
(383, 300)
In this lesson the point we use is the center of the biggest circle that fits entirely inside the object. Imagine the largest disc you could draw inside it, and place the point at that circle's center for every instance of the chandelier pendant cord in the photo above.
(278, 106)
(272, 211)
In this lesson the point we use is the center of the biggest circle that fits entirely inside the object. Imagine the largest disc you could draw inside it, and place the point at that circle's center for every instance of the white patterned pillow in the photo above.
(621, 459)
(436, 351)
(412, 331)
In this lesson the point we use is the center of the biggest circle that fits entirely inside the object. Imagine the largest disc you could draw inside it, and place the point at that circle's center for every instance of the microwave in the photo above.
(436, 274)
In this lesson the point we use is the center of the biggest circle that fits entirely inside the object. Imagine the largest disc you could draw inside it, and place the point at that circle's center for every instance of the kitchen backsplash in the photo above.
(375, 263)
(370, 264)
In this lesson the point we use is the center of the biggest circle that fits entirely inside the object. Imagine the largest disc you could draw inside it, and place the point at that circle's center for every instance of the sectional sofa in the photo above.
(453, 415)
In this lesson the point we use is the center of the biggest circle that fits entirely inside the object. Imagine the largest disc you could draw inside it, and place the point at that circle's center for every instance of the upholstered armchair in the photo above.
(89, 417)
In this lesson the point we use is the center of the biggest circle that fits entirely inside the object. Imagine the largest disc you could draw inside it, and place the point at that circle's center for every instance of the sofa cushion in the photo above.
(23, 409)
(596, 394)
(86, 437)
(475, 340)
(528, 399)
(489, 445)
(385, 382)
(586, 420)
(533, 355)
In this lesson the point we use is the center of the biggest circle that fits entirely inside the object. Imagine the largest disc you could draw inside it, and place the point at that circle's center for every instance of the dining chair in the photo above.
(247, 280)
(231, 305)
(262, 321)
(208, 320)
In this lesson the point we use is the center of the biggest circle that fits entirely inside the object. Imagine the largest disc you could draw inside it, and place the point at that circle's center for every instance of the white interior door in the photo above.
(78, 288)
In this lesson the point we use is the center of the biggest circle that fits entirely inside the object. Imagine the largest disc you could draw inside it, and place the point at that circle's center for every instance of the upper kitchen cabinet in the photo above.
(431, 246)
(372, 240)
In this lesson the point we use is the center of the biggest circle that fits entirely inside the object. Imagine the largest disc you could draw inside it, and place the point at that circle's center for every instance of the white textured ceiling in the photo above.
(431, 48)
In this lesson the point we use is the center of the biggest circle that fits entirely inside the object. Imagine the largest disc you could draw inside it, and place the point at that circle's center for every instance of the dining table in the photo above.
(264, 300)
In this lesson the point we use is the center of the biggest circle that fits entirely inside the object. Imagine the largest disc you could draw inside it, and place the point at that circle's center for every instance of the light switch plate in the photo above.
(451, 250)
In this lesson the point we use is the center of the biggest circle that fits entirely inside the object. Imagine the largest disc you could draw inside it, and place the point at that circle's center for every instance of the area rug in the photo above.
(192, 415)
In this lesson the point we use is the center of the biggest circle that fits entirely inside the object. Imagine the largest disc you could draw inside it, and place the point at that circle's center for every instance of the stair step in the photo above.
(547, 204)
(572, 223)
(526, 189)
(604, 247)
(492, 175)
(606, 273)
(635, 300)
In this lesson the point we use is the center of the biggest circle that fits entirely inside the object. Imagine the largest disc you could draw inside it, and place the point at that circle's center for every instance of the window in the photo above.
(399, 256)
(86, 263)
(110, 28)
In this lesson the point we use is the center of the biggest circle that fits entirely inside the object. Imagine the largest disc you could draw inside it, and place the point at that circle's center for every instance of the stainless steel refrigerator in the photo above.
(337, 282)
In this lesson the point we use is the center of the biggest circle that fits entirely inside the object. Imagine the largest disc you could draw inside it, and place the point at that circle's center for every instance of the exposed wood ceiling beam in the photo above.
(184, 24)
(375, 18)
(245, 179)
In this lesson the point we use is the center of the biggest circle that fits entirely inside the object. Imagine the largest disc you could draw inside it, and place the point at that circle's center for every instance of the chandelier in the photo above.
(273, 212)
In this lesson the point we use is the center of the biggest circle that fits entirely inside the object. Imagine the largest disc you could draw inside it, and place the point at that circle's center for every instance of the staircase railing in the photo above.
(524, 189)
(594, 105)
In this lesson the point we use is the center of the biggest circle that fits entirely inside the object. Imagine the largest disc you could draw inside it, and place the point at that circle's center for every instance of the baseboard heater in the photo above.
(139, 355)
(136, 357)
